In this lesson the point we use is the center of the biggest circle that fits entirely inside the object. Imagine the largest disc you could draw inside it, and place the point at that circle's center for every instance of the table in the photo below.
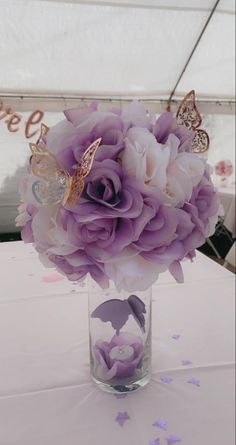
(227, 197)
(46, 397)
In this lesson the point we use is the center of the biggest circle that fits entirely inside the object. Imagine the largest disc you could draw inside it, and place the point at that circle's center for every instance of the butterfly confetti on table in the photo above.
(176, 337)
(166, 379)
(189, 116)
(55, 184)
(121, 418)
(171, 440)
(186, 362)
(155, 442)
(162, 424)
(194, 381)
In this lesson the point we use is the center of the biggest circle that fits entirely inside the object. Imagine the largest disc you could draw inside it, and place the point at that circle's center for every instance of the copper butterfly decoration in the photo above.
(55, 185)
(189, 116)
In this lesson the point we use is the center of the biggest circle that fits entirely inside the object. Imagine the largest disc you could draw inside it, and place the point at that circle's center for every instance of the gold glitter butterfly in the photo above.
(189, 116)
(55, 184)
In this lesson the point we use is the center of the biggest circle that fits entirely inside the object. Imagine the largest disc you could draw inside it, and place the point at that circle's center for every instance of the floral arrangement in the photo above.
(145, 203)
(224, 168)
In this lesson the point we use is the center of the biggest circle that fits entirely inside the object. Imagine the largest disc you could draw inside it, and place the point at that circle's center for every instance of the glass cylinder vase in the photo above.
(120, 338)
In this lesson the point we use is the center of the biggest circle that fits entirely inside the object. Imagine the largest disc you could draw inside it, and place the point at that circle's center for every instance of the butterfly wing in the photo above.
(87, 159)
(188, 114)
(47, 192)
(77, 186)
(85, 165)
(54, 182)
(116, 311)
(43, 131)
(137, 309)
(201, 141)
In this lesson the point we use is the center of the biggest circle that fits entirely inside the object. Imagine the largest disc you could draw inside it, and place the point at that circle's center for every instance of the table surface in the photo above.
(46, 396)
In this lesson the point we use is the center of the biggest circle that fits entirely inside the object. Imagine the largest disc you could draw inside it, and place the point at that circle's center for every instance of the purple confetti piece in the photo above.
(166, 379)
(176, 337)
(120, 396)
(195, 382)
(155, 442)
(173, 439)
(161, 424)
(53, 278)
(121, 418)
(186, 362)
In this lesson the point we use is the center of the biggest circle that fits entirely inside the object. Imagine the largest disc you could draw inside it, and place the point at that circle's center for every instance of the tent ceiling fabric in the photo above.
(226, 5)
(90, 48)
(212, 67)
(163, 4)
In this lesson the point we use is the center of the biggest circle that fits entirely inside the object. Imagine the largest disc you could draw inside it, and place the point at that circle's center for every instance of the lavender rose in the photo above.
(204, 206)
(185, 240)
(111, 193)
(108, 367)
(156, 226)
(77, 265)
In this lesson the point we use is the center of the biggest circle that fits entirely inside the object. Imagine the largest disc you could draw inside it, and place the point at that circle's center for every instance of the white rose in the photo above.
(48, 234)
(184, 172)
(161, 166)
(23, 216)
(144, 158)
(133, 272)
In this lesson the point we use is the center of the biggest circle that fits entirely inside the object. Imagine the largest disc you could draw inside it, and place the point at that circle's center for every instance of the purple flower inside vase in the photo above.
(119, 358)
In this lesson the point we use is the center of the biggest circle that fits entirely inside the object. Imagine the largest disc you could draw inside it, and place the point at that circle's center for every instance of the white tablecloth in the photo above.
(46, 397)
(227, 197)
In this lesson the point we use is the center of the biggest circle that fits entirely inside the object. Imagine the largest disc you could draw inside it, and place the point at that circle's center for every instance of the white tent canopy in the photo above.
(56, 53)
(117, 48)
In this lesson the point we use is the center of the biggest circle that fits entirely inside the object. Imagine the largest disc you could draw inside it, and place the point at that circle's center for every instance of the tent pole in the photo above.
(23, 101)
(191, 54)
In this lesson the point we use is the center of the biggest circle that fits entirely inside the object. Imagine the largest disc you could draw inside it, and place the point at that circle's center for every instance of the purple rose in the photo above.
(204, 206)
(108, 194)
(99, 237)
(104, 237)
(26, 233)
(156, 226)
(76, 266)
(103, 222)
(166, 124)
(69, 139)
(125, 346)
(185, 239)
